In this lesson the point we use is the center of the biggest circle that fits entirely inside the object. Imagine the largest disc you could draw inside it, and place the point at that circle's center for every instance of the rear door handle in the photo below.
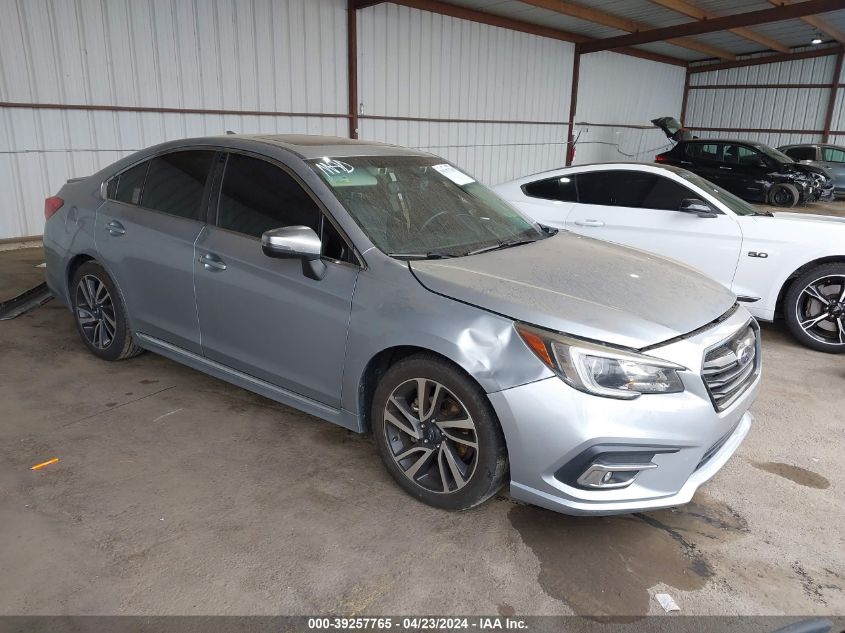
(589, 222)
(212, 262)
(115, 228)
(727, 168)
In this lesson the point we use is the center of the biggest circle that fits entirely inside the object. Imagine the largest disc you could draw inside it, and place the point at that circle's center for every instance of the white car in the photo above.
(789, 264)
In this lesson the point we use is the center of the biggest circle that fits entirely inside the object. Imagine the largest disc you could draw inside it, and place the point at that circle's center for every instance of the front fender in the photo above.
(400, 312)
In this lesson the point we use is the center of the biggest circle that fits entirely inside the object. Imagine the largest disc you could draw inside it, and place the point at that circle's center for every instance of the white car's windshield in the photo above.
(735, 204)
(412, 206)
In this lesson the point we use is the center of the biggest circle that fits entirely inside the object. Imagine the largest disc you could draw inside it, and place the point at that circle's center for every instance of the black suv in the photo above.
(752, 171)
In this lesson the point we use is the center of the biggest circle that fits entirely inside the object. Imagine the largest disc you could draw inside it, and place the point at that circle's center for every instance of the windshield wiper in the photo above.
(765, 214)
(429, 255)
(501, 245)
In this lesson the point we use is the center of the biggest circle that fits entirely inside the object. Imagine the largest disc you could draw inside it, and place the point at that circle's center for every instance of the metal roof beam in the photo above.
(463, 13)
(816, 21)
(749, 18)
(689, 10)
(622, 23)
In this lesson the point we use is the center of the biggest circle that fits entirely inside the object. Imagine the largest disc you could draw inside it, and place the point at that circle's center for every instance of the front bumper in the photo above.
(549, 426)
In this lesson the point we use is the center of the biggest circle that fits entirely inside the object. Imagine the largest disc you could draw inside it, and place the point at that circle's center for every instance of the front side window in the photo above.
(258, 196)
(418, 206)
(741, 155)
(636, 189)
(560, 188)
(801, 153)
(128, 186)
(176, 182)
(833, 155)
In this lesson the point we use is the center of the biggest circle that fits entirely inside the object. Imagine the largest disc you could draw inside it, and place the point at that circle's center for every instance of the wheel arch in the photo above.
(380, 363)
(82, 258)
(73, 265)
(830, 259)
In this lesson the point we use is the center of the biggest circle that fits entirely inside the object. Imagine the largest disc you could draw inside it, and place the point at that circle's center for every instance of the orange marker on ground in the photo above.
(43, 464)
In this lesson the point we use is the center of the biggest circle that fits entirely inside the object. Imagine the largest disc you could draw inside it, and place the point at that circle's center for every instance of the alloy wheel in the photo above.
(95, 312)
(431, 435)
(820, 309)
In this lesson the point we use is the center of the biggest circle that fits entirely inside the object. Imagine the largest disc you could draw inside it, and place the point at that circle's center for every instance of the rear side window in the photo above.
(801, 153)
(127, 187)
(176, 182)
(257, 196)
(558, 188)
(834, 155)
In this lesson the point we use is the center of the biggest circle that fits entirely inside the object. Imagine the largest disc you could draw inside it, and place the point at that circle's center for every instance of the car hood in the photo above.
(583, 287)
(810, 219)
(806, 167)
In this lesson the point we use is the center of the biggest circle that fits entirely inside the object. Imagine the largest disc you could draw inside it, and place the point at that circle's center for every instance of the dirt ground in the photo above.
(176, 493)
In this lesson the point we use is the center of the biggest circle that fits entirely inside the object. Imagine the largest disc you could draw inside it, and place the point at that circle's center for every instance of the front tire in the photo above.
(100, 314)
(784, 195)
(814, 308)
(438, 434)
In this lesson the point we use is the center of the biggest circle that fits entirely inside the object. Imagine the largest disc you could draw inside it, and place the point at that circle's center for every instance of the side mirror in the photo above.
(698, 207)
(300, 242)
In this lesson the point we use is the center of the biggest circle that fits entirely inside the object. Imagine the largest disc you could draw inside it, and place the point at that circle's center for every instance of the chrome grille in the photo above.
(732, 366)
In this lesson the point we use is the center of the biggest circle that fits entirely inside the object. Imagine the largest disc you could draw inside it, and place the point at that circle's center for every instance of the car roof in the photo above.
(308, 146)
(631, 165)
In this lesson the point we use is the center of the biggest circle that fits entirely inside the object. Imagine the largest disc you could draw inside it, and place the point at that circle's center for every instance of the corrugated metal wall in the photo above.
(838, 121)
(452, 72)
(242, 55)
(800, 109)
(620, 93)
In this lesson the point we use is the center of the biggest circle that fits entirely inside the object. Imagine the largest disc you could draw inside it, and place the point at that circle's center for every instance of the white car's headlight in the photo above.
(601, 370)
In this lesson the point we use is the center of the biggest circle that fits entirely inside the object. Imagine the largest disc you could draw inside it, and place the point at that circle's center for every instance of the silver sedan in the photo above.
(385, 290)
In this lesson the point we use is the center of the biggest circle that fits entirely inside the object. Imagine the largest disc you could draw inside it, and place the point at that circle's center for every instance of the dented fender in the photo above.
(484, 344)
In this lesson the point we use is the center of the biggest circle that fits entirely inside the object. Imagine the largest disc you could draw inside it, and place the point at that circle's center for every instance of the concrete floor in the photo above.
(176, 493)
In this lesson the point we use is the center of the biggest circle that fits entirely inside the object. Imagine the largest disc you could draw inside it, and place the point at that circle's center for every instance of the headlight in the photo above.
(600, 369)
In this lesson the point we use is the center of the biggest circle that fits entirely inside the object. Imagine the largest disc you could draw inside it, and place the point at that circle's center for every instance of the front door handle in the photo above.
(727, 168)
(115, 228)
(589, 222)
(212, 262)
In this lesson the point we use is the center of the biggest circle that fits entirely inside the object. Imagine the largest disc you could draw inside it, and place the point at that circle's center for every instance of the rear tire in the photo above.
(783, 195)
(438, 434)
(819, 291)
(100, 314)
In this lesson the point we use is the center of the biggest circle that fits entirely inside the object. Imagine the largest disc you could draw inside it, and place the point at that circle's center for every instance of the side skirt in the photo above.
(341, 417)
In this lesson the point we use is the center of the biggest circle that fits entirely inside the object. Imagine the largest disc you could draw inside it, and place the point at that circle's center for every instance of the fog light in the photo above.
(608, 475)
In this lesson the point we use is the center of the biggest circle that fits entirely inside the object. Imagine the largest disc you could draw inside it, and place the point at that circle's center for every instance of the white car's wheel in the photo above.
(815, 308)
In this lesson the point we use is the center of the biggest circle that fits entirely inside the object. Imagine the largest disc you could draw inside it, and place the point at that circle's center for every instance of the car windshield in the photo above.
(774, 154)
(735, 204)
(414, 206)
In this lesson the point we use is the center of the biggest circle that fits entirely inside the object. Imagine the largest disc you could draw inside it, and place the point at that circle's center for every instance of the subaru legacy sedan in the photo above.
(385, 290)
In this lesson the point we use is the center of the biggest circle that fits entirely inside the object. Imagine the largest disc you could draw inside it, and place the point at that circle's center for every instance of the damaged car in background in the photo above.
(753, 171)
